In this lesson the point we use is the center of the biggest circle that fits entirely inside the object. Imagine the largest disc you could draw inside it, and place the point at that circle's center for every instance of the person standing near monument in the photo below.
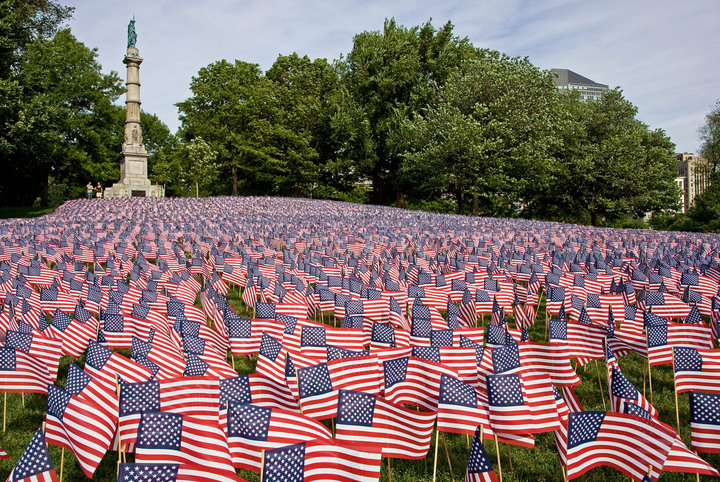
(90, 190)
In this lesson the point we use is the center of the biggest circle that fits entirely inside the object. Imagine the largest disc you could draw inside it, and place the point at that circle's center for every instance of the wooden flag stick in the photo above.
(650, 471)
(62, 462)
(602, 392)
(447, 454)
(564, 473)
(262, 463)
(677, 410)
(4, 408)
(645, 367)
(437, 442)
(497, 452)
(389, 473)
(650, 380)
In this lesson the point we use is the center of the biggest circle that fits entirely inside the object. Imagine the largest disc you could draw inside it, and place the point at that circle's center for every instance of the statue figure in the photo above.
(132, 36)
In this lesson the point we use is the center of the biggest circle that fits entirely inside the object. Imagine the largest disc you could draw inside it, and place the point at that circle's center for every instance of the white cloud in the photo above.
(661, 53)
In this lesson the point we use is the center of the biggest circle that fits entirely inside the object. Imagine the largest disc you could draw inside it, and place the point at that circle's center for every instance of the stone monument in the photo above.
(134, 181)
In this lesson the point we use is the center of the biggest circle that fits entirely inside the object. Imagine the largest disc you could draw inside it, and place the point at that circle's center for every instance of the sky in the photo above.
(661, 53)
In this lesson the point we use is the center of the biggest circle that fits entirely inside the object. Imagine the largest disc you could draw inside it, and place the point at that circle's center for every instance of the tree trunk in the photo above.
(400, 198)
(460, 196)
(476, 204)
(594, 218)
(45, 194)
(233, 170)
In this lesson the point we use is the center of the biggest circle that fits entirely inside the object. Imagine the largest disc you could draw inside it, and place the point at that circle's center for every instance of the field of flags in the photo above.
(370, 334)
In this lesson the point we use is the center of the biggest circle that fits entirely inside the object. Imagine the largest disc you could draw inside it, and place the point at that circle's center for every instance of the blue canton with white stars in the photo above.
(160, 430)
(504, 390)
(314, 380)
(250, 422)
(456, 392)
(356, 408)
(583, 427)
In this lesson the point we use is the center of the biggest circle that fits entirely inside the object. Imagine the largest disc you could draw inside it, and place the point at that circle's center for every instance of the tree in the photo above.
(23, 22)
(62, 123)
(198, 167)
(389, 76)
(610, 164)
(488, 133)
(710, 137)
(231, 108)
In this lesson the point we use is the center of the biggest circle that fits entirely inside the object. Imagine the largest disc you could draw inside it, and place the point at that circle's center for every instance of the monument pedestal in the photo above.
(134, 181)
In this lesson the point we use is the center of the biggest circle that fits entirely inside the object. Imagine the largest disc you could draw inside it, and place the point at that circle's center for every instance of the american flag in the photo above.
(35, 464)
(45, 349)
(479, 467)
(370, 419)
(75, 332)
(323, 459)
(680, 458)
(521, 403)
(173, 438)
(258, 390)
(664, 304)
(462, 408)
(623, 392)
(103, 363)
(415, 381)
(705, 422)
(318, 385)
(88, 426)
(662, 337)
(549, 358)
(20, 372)
(697, 370)
(627, 443)
(251, 429)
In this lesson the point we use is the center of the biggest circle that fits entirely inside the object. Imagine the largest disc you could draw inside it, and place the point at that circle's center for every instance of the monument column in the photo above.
(134, 180)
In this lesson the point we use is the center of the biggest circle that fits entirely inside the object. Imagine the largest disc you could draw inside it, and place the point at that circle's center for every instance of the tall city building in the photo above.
(694, 173)
(568, 80)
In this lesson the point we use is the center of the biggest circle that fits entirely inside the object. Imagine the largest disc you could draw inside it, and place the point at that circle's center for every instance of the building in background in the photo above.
(693, 178)
(568, 80)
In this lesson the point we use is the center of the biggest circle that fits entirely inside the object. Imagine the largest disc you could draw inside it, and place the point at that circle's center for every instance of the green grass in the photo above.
(24, 212)
(538, 464)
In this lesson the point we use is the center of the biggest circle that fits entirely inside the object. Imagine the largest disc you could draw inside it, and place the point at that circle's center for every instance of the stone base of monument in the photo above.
(134, 190)
(134, 181)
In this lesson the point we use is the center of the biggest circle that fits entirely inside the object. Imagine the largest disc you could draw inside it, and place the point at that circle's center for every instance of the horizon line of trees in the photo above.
(413, 117)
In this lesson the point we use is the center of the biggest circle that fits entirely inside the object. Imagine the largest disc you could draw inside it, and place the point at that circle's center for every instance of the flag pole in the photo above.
(497, 452)
(62, 462)
(262, 463)
(677, 410)
(507, 448)
(650, 379)
(389, 473)
(447, 454)
(437, 441)
(4, 408)
(602, 392)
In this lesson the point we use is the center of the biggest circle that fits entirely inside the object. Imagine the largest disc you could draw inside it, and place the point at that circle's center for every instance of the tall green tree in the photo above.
(389, 76)
(232, 109)
(610, 164)
(488, 134)
(63, 122)
(710, 137)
